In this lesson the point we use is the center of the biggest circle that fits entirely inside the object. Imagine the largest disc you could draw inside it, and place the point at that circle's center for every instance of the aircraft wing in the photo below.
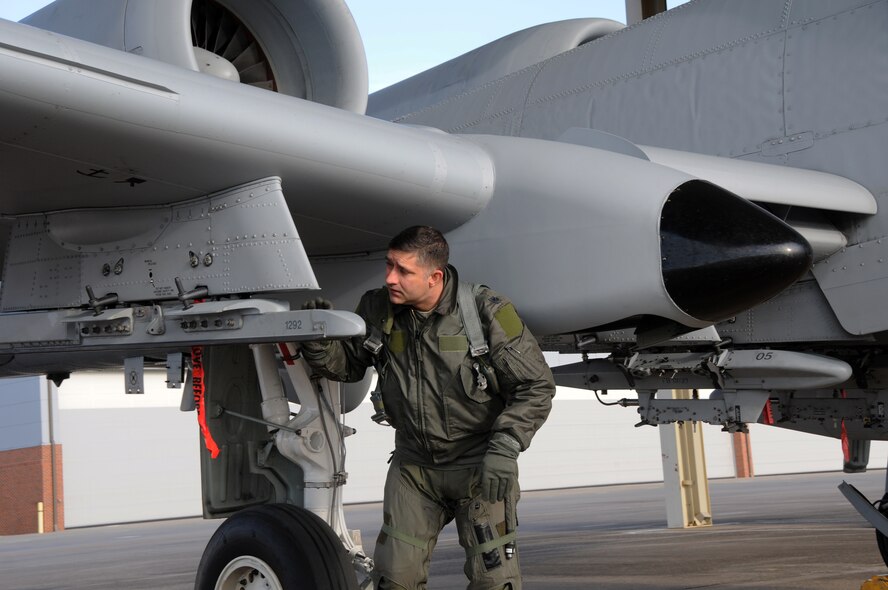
(130, 141)
(92, 127)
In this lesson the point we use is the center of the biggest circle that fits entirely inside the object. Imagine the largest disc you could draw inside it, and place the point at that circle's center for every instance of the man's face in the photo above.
(411, 283)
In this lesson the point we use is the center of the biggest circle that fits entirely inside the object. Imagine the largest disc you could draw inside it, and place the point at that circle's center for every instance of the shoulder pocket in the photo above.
(523, 365)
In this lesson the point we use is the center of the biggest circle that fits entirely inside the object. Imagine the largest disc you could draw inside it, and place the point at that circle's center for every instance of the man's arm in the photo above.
(340, 360)
(526, 382)
(525, 379)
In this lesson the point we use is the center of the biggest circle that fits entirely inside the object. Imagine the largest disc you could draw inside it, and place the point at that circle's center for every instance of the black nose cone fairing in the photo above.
(722, 254)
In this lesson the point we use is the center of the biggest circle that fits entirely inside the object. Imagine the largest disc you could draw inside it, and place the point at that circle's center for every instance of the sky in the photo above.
(405, 37)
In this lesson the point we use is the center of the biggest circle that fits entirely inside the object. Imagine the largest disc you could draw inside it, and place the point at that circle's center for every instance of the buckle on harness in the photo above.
(379, 416)
(479, 351)
(374, 345)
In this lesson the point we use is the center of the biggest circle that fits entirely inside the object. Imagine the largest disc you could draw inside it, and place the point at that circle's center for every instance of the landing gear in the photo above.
(277, 547)
(881, 539)
(278, 474)
(874, 512)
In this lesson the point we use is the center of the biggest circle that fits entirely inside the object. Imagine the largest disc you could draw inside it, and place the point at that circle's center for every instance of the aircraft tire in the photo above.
(882, 540)
(275, 546)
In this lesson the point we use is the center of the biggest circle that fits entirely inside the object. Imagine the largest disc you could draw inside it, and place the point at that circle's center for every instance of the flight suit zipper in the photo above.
(420, 402)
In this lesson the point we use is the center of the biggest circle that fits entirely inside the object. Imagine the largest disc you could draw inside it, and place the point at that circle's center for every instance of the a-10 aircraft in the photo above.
(696, 195)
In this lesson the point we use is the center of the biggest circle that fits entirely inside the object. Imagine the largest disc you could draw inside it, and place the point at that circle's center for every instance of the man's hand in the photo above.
(317, 303)
(499, 468)
(315, 349)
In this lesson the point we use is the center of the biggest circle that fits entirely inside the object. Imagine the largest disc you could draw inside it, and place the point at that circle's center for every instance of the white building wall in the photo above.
(127, 457)
(135, 457)
(777, 450)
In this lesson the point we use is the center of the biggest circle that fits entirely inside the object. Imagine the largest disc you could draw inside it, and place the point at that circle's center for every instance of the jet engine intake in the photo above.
(310, 49)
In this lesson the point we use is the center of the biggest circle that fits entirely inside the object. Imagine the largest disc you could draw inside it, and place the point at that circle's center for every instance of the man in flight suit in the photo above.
(460, 420)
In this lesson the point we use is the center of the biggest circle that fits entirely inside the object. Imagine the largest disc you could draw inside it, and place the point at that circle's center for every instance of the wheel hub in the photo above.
(248, 573)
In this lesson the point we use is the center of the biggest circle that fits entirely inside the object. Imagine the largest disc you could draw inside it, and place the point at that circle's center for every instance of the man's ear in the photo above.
(436, 277)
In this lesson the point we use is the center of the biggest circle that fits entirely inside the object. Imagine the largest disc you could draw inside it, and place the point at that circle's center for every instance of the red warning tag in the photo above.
(846, 446)
(197, 388)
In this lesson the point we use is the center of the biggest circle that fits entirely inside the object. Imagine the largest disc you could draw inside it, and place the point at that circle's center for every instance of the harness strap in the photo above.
(376, 334)
(404, 537)
(490, 545)
(468, 312)
(373, 342)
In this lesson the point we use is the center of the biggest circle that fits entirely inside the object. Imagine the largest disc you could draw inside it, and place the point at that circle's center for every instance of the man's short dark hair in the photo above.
(428, 243)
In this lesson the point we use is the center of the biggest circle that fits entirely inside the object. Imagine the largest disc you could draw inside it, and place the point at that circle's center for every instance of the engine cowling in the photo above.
(310, 49)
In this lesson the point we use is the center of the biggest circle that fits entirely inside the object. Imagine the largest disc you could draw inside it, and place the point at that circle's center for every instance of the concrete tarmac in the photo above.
(775, 532)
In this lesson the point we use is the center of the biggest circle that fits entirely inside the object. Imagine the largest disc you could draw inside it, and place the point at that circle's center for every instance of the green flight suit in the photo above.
(444, 420)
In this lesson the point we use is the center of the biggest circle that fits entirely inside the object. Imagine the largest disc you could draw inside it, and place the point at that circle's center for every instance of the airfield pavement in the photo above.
(774, 532)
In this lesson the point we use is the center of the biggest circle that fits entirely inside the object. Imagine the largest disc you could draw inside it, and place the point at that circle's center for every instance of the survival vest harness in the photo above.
(478, 347)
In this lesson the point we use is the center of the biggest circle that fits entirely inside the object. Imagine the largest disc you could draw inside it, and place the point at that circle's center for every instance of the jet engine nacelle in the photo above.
(305, 48)
(585, 238)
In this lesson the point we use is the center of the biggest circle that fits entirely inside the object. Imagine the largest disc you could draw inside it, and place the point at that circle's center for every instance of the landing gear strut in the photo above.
(278, 475)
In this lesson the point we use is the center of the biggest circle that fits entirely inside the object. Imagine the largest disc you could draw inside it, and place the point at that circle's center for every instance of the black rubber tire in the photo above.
(299, 547)
(881, 540)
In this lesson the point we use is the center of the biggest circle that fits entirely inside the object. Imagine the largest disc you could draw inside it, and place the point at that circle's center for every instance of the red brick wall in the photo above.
(25, 480)
(743, 455)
